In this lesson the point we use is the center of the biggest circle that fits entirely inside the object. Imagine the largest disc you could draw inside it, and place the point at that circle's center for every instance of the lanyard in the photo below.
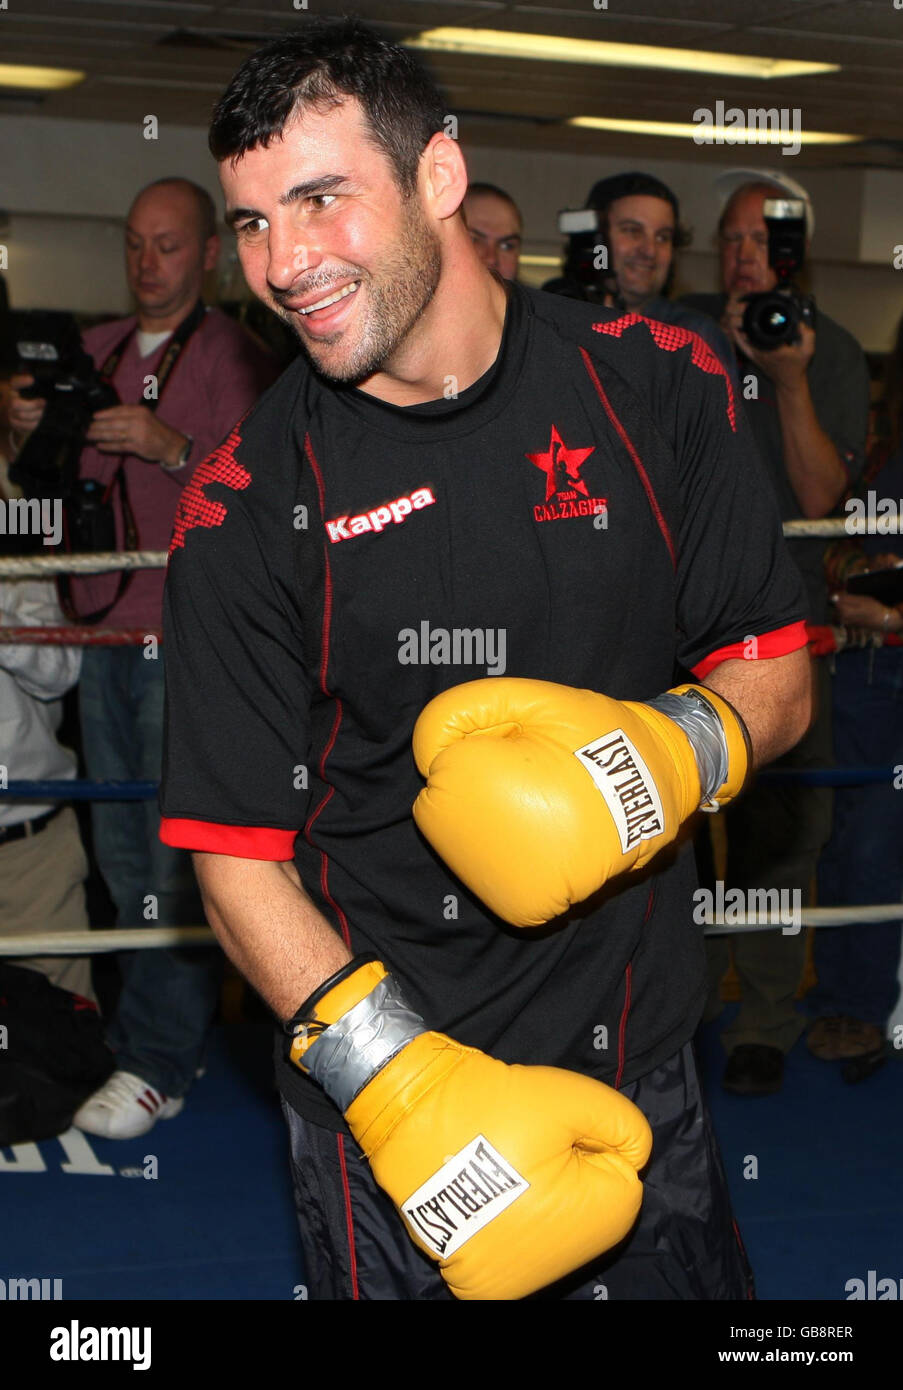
(130, 530)
(170, 357)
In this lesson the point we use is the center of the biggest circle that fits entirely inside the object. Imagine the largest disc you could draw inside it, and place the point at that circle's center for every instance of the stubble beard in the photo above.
(397, 297)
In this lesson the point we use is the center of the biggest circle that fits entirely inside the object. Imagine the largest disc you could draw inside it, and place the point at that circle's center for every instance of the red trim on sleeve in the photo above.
(241, 841)
(781, 642)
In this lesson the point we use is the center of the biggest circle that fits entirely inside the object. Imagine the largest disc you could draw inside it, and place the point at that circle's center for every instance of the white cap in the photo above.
(727, 183)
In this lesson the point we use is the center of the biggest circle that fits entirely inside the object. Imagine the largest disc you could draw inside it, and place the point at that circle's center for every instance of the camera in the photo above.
(47, 345)
(773, 318)
(586, 261)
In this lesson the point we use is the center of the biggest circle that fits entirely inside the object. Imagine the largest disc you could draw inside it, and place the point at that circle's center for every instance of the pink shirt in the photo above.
(217, 376)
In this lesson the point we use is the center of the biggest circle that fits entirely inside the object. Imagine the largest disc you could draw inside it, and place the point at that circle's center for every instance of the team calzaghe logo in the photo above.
(345, 528)
(625, 781)
(471, 1189)
(566, 493)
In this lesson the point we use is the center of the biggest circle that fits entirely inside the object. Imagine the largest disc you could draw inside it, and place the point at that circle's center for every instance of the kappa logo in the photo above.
(566, 493)
(345, 528)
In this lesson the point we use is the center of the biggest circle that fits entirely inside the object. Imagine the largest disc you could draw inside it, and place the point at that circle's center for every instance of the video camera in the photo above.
(587, 255)
(773, 317)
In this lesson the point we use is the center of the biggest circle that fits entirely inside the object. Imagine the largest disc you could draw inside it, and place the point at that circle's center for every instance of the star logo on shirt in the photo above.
(567, 495)
(561, 466)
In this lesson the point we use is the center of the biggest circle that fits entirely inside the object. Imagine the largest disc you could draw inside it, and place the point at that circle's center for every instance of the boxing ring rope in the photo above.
(842, 526)
(104, 562)
(150, 938)
(76, 636)
(106, 940)
(102, 941)
(94, 562)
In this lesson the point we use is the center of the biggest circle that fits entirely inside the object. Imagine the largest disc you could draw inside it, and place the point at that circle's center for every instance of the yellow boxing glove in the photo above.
(537, 794)
(510, 1177)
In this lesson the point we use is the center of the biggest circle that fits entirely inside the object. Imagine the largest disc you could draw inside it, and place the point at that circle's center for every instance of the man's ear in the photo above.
(211, 252)
(443, 176)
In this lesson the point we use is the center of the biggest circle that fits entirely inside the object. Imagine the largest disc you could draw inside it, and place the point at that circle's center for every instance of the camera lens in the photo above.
(770, 319)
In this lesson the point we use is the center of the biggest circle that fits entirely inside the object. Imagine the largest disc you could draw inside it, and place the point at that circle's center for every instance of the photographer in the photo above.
(806, 400)
(184, 374)
(625, 259)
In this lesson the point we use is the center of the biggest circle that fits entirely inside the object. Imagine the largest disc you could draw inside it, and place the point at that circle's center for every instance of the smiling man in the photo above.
(643, 234)
(639, 226)
(442, 454)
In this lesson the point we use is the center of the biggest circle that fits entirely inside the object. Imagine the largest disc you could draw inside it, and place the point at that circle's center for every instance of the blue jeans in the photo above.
(863, 861)
(168, 997)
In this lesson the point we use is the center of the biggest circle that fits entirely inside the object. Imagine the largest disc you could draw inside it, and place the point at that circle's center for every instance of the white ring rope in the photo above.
(82, 943)
(104, 562)
(78, 943)
(843, 526)
(806, 917)
(98, 562)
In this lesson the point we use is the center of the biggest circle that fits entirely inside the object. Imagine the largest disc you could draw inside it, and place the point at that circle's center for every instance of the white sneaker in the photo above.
(125, 1107)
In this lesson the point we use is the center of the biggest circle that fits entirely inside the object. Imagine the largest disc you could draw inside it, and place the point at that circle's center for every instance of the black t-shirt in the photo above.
(589, 512)
(839, 385)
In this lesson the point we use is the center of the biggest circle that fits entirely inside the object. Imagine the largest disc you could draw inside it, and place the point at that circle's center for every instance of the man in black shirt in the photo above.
(462, 480)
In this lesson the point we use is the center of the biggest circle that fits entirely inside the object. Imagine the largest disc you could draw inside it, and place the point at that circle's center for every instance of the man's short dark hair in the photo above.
(318, 65)
(637, 184)
(205, 205)
(492, 190)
